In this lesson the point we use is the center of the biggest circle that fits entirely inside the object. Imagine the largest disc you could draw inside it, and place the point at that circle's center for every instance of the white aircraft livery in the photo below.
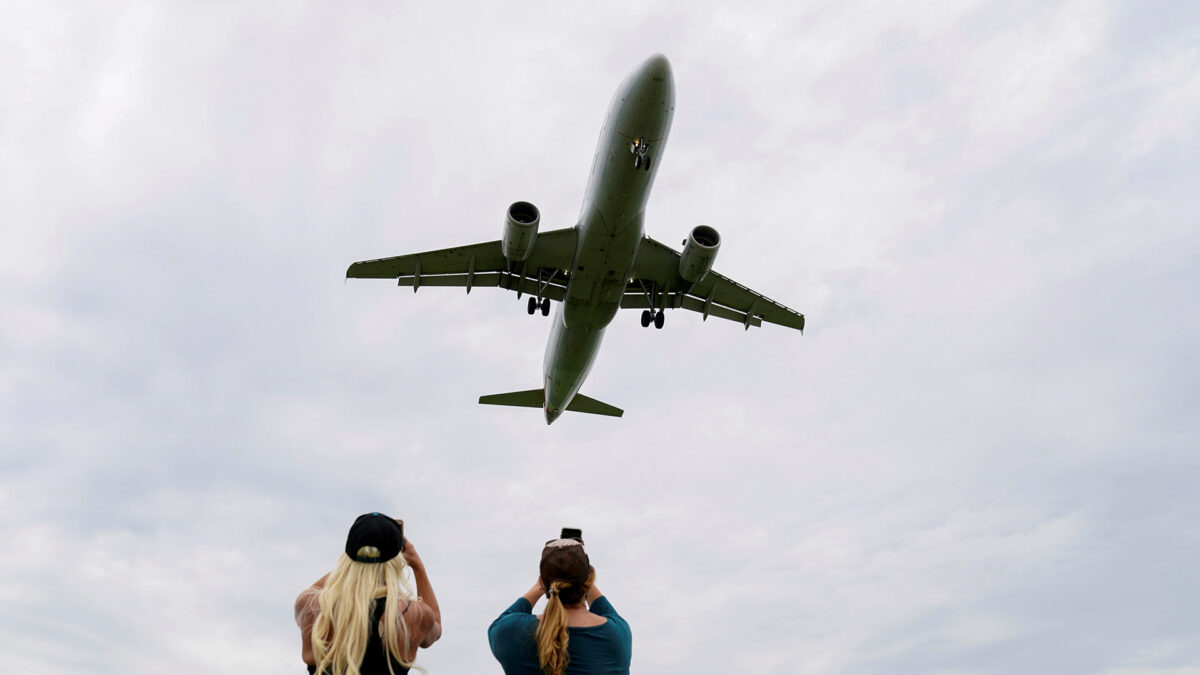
(602, 264)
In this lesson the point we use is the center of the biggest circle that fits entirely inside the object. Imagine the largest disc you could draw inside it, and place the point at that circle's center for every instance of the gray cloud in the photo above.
(977, 458)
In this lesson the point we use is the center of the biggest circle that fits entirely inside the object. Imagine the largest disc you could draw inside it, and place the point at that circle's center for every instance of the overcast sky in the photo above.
(981, 456)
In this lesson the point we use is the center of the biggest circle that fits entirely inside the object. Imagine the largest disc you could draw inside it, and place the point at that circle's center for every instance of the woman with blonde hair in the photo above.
(364, 618)
(579, 633)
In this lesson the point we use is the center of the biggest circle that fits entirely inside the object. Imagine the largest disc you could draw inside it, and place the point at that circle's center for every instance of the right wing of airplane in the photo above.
(657, 282)
(547, 267)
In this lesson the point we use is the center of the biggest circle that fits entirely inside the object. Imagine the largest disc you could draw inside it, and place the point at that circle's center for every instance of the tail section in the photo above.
(536, 398)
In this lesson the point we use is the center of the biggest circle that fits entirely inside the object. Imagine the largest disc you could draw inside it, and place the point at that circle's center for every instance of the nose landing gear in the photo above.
(639, 148)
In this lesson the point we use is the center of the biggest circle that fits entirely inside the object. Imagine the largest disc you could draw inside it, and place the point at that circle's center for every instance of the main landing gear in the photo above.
(535, 305)
(539, 301)
(640, 159)
(653, 317)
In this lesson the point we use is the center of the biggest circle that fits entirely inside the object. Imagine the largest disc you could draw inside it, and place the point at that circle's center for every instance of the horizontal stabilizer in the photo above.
(586, 404)
(536, 398)
(532, 398)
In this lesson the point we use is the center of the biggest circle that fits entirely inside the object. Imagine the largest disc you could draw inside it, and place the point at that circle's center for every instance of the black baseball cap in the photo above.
(374, 530)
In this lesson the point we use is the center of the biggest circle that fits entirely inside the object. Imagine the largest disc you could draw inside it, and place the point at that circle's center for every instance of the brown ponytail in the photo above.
(552, 634)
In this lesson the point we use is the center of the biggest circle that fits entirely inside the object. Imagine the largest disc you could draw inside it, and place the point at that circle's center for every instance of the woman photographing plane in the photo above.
(364, 617)
(579, 633)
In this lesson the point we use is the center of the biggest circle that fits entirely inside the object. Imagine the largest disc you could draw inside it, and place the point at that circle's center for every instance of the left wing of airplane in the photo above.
(546, 268)
(657, 282)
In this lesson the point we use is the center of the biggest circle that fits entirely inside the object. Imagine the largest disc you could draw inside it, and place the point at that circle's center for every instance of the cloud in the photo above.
(976, 458)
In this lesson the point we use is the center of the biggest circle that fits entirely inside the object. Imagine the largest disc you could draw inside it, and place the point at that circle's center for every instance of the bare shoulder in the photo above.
(307, 603)
(416, 613)
(422, 621)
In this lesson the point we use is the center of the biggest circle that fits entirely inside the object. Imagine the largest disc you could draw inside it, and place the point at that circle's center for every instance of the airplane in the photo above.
(602, 264)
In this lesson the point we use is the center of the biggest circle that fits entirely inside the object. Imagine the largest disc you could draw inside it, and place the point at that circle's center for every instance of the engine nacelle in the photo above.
(699, 252)
(520, 231)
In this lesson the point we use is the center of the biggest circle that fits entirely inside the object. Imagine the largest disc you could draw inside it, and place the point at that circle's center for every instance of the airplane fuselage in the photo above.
(610, 226)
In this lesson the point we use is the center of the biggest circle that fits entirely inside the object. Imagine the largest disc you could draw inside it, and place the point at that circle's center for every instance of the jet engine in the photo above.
(520, 231)
(699, 252)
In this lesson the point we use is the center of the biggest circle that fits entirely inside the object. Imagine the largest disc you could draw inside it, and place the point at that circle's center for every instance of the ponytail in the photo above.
(552, 634)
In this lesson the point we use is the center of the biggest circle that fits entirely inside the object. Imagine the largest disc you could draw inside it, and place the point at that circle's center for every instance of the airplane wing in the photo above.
(656, 280)
(481, 265)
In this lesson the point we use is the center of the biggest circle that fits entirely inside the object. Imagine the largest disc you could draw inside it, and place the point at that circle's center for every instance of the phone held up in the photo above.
(572, 533)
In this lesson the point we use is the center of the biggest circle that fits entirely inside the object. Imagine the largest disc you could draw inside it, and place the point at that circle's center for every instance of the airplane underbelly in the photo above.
(570, 354)
(592, 302)
(603, 262)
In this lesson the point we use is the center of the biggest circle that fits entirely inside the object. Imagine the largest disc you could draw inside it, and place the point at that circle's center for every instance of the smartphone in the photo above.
(400, 524)
(572, 533)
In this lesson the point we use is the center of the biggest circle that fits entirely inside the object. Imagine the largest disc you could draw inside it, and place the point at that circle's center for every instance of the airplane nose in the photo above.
(658, 68)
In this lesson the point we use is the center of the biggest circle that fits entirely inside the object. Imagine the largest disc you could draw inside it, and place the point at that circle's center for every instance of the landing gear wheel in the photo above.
(637, 162)
(646, 318)
(646, 164)
(659, 320)
(545, 306)
(532, 306)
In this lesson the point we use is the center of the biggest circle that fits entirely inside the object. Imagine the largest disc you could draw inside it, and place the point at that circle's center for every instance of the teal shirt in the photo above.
(593, 650)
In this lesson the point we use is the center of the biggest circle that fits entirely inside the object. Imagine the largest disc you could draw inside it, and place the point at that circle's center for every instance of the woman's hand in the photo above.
(535, 592)
(411, 556)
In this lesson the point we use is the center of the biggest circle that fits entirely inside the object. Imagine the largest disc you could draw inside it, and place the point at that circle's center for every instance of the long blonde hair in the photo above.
(552, 634)
(347, 603)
